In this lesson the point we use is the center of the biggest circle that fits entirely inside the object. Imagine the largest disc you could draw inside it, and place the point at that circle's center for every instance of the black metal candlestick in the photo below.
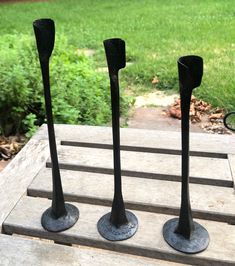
(184, 234)
(119, 224)
(59, 216)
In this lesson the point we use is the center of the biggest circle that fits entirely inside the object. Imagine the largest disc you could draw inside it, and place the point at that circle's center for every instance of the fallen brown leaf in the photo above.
(155, 80)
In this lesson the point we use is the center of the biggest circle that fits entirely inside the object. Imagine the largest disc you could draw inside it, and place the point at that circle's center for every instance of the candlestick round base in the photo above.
(198, 241)
(113, 233)
(53, 224)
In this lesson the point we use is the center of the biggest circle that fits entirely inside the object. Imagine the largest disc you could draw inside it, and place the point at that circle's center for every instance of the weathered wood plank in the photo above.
(148, 241)
(17, 251)
(148, 165)
(19, 173)
(200, 142)
(208, 202)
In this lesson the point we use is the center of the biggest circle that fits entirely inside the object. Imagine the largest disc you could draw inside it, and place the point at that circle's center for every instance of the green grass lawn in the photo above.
(156, 34)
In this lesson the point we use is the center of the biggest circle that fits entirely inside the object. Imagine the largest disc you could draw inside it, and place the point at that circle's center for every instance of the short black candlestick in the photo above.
(184, 234)
(59, 216)
(119, 224)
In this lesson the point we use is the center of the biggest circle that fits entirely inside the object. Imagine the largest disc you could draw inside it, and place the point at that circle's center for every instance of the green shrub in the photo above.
(80, 95)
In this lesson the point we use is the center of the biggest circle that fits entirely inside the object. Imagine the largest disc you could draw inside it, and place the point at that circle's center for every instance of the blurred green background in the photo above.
(156, 32)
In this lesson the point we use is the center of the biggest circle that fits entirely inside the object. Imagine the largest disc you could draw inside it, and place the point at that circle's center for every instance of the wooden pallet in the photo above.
(151, 189)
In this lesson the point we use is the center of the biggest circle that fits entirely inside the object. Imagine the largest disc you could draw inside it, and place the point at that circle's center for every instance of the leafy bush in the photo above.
(80, 95)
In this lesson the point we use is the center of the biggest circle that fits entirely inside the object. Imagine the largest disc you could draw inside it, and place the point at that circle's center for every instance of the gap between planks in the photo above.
(143, 149)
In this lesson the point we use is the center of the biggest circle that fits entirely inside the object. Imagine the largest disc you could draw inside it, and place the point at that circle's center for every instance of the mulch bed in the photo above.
(10, 146)
(210, 119)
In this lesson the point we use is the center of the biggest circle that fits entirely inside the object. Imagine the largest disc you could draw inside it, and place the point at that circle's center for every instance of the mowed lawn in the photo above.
(156, 32)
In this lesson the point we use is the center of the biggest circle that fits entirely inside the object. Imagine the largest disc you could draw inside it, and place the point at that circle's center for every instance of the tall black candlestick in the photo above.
(59, 216)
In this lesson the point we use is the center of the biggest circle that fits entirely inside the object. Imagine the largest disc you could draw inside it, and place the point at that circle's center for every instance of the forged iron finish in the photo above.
(118, 219)
(44, 30)
(199, 239)
(190, 70)
(226, 121)
(113, 233)
(53, 224)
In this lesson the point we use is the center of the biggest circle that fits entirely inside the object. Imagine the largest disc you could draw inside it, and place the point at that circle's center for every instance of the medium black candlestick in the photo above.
(119, 224)
(59, 216)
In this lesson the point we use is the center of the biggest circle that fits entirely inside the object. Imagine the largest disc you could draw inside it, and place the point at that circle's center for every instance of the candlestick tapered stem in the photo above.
(185, 226)
(118, 214)
(58, 205)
